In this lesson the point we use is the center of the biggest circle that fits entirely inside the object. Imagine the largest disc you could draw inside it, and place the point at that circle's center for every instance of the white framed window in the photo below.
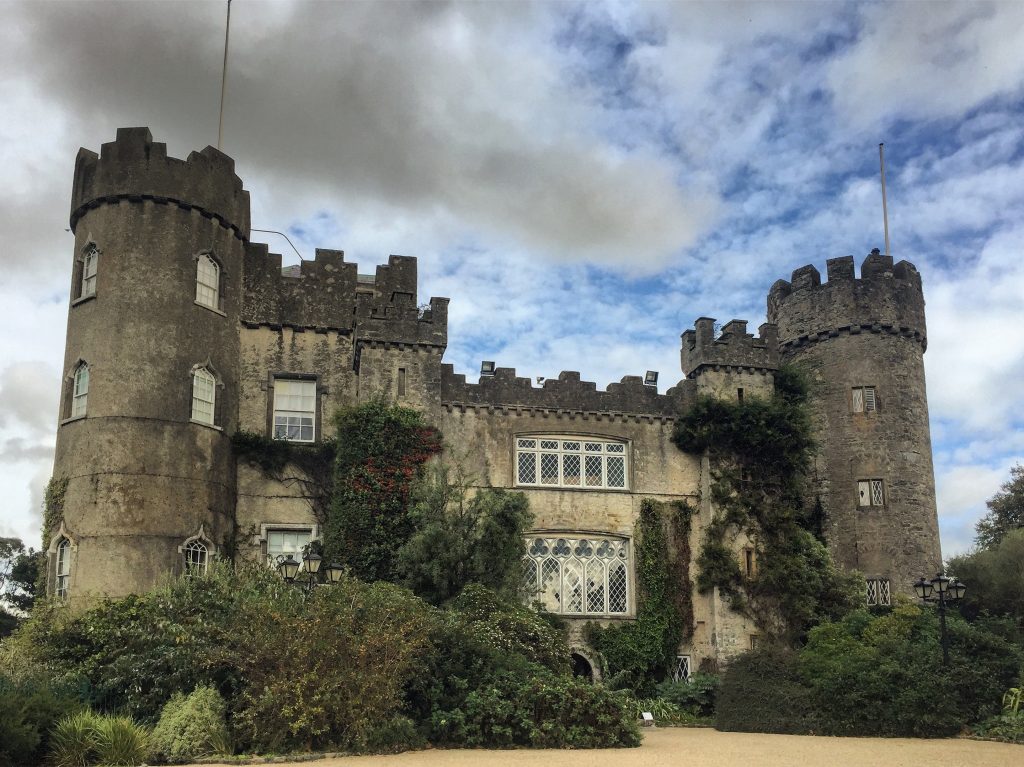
(207, 282)
(870, 492)
(681, 671)
(879, 592)
(80, 391)
(281, 543)
(90, 264)
(62, 569)
(863, 399)
(578, 575)
(204, 395)
(197, 558)
(294, 410)
(583, 462)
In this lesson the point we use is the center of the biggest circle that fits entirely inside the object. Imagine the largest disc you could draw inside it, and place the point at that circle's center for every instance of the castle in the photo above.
(182, 332)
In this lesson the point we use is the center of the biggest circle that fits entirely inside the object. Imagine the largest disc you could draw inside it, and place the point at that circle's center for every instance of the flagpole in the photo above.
(885, 209)
(224, 78)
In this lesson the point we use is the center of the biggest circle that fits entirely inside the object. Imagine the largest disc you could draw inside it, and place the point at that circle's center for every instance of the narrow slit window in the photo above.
(80, 391)
(401, 382)
(62, 571)
(90, 264)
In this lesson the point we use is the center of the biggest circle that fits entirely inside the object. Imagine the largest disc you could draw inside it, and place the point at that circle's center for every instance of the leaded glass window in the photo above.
(294, 410)
(575, 575)
(870, 492)
(571, 462)
(879, 592)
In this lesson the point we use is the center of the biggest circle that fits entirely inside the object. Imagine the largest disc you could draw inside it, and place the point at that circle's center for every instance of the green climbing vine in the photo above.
(53, 507)
(279, 460)
(760, 452)
(638, 654)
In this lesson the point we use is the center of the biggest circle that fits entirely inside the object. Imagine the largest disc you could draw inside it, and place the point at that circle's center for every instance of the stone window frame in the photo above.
(72, 396)
(191, 546)
(216, 288)
(85, 283)
(539, 449)
(534, 563)
(263, 538)
(62, 543)
(320, 392)
(864, 400)
(877, 496)
(683, 669)
(748, 561)
(218, 383)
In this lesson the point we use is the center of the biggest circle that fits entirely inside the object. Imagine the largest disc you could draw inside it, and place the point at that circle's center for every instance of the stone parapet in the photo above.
(135, 168)
(734, 348)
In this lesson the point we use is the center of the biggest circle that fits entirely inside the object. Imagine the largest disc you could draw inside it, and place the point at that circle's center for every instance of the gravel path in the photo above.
(678, 747)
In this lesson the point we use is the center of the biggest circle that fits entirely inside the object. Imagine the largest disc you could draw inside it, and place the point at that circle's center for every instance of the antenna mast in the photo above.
(224, 78)
(885, 209)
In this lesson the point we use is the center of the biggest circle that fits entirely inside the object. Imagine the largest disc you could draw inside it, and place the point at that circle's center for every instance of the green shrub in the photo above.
(191, 727)
(762, 691)
(120, 742)
(695, 696)
(73, 743)
(29, 709)
(394, 736)
(547, 711)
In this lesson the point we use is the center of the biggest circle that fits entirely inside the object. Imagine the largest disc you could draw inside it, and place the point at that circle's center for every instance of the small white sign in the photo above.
(648, 718)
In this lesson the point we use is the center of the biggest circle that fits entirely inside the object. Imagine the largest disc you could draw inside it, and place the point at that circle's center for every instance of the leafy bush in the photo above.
(871, 676)
(695, 696)
(461, 538)
(547, 711)
(190, 727)
(394, 736)
(87, 738)
(762, 691)
(29, 709)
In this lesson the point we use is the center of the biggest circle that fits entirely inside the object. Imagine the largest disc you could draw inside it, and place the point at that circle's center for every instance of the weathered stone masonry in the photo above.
(148, 479)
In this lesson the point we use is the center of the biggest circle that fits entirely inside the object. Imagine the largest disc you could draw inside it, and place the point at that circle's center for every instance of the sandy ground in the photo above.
(679, 747)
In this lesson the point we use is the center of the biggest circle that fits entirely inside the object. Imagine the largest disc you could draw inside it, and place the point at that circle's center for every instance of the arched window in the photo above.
(578, 575)
(90, 262)
(197, 558)
(208, 282)
(80, 391)
(62, 571)
(204, 394)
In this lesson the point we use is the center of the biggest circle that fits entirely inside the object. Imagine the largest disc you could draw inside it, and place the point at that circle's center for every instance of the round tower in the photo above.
(151, 367)
(862, 342)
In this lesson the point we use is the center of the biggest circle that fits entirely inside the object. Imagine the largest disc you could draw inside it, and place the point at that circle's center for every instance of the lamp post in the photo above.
(289, 570)
(944, 590)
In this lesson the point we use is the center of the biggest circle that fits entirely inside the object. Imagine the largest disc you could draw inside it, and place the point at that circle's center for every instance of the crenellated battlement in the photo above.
(565, 393)
(886, 296)
(733, 348)
(135, 168)
(326, 293)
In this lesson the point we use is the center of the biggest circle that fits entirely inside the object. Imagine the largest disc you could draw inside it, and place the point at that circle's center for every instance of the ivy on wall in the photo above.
(380, 451)
(760, 452)
(53, 507)
(639, 653)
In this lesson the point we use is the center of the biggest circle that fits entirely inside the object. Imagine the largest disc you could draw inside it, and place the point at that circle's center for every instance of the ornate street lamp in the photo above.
(944, 590)
(289, 569)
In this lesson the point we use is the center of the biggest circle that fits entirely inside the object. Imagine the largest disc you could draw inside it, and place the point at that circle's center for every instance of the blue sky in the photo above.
(583, 180)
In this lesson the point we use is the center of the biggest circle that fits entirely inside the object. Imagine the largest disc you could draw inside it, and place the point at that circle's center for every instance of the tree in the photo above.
(462, 537)
(994, 578)
(1005, 511)
(19, 571)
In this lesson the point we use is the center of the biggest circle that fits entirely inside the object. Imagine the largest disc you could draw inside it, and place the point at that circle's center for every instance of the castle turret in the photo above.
(732, 364)
(862, 343)
(151, 366)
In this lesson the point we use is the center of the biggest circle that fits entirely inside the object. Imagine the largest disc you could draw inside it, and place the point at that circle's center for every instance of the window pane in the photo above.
(869, 399)
(578, 575)
(616, 471)
(294, 410)
(207, 282)
(617, 588)
(203, 395)
(593, 464)
(281, 543)
(571, 470)
(528, 443)
(877, 496)
(863, 493)
(858, 400)
(527, 468)
(549, 468)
